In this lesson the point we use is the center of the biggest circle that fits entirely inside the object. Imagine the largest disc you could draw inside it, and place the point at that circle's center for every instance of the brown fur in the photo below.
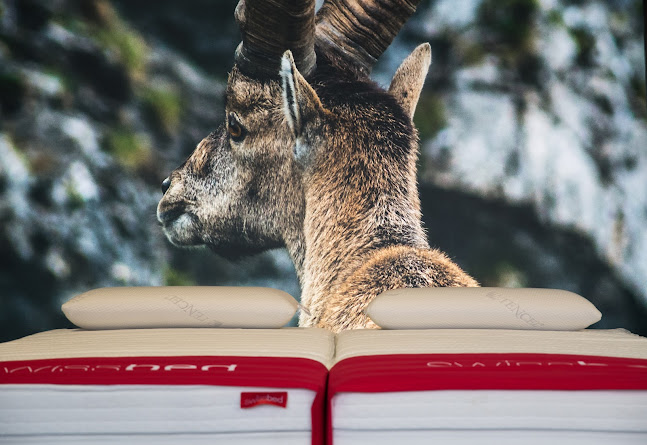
(393, 267)
(363, 230)
(240, 198)
(408, 80)
(336, 186)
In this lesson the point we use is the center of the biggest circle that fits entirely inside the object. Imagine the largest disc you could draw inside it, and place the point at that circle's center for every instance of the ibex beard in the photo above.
(315, 157)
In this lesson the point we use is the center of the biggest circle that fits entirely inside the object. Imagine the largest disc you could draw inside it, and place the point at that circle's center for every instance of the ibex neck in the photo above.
(339, 237)
(360, 187)
(344, 225)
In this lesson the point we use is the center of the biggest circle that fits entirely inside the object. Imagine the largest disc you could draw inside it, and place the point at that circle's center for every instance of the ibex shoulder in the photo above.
(393, 267)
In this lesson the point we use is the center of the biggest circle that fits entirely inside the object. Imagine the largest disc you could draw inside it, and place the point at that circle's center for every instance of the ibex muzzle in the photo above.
(315, 157)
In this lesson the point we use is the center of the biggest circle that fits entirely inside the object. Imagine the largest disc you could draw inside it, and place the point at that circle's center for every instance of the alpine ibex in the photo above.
(315, 157)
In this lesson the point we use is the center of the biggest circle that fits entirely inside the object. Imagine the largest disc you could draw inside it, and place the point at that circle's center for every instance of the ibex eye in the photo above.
(234, 128)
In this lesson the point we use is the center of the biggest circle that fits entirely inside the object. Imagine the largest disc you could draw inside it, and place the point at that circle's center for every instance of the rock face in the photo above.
(93, 117)
(533, 165)
(545, 106)
(534, 117)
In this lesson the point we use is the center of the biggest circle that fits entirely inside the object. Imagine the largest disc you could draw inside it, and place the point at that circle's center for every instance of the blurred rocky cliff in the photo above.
(540, 104)
(533, 163)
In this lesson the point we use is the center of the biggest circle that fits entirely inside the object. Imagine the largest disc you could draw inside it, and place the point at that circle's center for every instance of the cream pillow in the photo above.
(482, 308)
(180, 307)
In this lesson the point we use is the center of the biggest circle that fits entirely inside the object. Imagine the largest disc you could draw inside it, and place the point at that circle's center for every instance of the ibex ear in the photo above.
(408, 80)
(300, 102)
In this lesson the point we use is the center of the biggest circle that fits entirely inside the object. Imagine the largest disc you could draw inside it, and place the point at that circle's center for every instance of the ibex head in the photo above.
(240, 191)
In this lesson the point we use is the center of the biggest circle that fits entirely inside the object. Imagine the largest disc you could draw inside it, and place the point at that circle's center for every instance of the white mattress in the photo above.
(39, 412)
(609, 343)
(285, 437)
(184, 386)
(312, 343)
(369, 407)
(167, 401)
(489, 437)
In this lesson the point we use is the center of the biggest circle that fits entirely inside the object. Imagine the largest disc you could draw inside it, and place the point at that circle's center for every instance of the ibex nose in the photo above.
(166, 184)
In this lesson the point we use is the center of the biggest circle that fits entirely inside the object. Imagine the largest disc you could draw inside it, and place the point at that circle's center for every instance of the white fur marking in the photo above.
(287, 76)
(183, 223)
(300, 149)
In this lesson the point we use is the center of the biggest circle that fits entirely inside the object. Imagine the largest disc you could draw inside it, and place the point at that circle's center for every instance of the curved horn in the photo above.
(359, 31)
(269, 28)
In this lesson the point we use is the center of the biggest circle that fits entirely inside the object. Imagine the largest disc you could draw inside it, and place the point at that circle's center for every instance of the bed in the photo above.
(465, 386)
(166, 365)
(189, 386)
